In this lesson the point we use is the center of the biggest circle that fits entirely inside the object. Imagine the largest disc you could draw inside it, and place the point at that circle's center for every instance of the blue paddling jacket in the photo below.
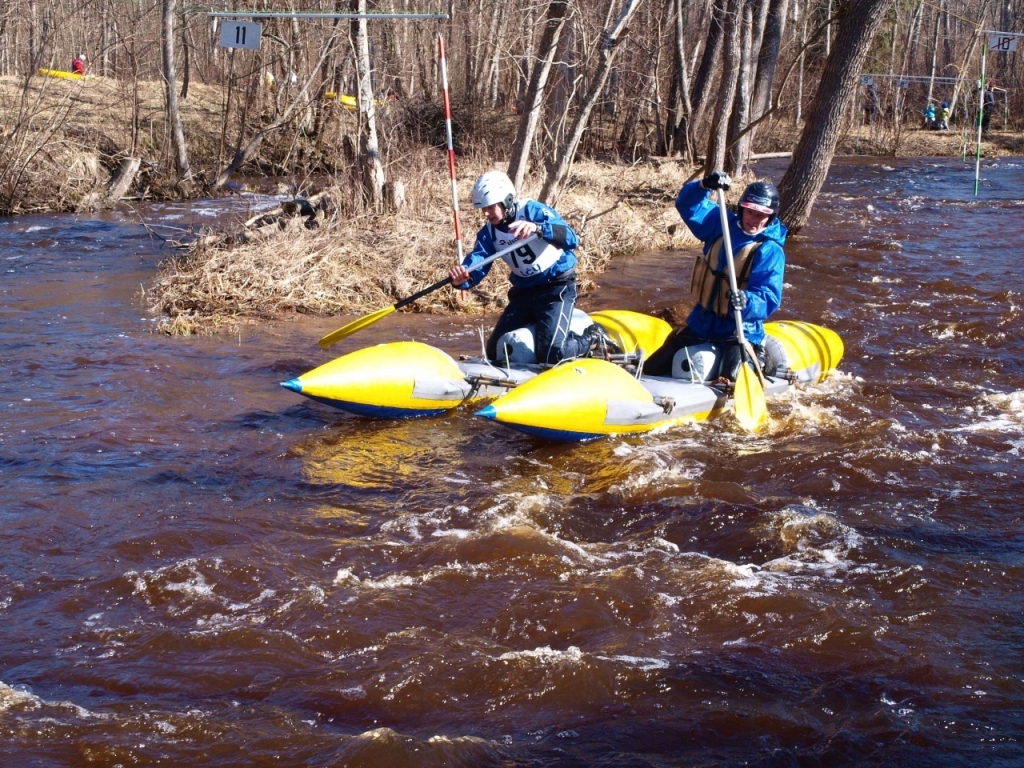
(764, 282)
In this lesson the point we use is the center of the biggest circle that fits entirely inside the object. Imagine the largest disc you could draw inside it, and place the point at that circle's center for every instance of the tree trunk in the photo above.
(524, 66)
(186, 74)
(704, 79)
(171, 92)
(969, 54)
(370, 165)
(715, 158)
(935, 58)
(806, 174)
(562, 161)
(530, 117)
(798, 112)
(679, 99)
(738, 142)
(491, 55)
(768, 57)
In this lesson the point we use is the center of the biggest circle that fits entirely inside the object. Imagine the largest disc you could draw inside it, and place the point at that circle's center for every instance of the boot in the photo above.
(601, 344)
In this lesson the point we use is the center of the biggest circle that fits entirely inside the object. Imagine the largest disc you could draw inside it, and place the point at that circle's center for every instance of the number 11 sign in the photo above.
(240, 34)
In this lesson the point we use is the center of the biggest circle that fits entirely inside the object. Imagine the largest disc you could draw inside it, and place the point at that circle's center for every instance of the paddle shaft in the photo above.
(751, 410)
(442, 283)
(727, 245)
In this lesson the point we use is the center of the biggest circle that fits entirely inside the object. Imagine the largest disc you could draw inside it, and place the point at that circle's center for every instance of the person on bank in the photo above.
(78, 65)
(988, 106)
(757, 238)
(929, 116)
(543, 273)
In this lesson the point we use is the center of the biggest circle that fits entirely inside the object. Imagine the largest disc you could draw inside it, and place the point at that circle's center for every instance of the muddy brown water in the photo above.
(202, 568)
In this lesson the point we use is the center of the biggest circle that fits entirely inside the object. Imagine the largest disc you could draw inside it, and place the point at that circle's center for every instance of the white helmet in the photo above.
(494, 187)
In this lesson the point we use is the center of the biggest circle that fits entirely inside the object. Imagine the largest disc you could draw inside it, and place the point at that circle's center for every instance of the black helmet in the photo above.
(761, 196)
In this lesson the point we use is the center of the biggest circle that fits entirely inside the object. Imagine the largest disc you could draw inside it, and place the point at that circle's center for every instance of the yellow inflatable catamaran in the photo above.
(577, 400)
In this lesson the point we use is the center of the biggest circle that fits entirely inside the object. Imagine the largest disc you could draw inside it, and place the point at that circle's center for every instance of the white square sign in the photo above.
(240, 34)
(1005, 43)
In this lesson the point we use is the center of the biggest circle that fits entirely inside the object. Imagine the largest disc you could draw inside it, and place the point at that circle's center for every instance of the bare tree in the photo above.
(737, 137)
(715, 158)
(680, 108)
(534, 101)
(370, 166)
(806, 174)
(171, 93)
(563, 158)
(704, 80)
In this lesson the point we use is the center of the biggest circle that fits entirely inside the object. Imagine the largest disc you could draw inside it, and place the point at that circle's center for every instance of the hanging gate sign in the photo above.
(240, 34)
(1004, 43)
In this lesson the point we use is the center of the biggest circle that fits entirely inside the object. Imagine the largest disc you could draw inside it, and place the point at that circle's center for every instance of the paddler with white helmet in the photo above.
(542, 272)
(757, 238)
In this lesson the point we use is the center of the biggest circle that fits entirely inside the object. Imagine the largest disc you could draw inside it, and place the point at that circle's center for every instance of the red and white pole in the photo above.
(451, 147)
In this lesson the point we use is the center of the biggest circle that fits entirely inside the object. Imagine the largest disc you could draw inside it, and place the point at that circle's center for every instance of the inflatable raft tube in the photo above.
(408, 379)
(405, 379)
(589, 399)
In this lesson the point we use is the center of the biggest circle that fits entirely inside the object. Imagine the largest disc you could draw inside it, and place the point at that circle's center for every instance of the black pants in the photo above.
(549, 308)
(660, 362)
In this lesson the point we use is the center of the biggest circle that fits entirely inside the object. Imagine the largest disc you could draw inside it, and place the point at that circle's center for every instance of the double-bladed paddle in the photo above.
(748, 395)
(367, 320)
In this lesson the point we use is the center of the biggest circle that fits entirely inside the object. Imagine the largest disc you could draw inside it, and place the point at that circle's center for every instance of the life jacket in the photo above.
(710, 286)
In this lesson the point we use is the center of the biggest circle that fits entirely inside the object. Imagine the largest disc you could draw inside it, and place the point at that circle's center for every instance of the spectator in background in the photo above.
(929, 116)
(870, 102)
(78, 65)
(988, 106)
(943, 119)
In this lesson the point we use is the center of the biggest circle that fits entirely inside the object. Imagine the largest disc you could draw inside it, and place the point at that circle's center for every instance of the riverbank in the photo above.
(65, 144)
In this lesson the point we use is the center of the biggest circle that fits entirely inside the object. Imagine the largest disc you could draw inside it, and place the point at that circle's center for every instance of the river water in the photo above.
(202, 568)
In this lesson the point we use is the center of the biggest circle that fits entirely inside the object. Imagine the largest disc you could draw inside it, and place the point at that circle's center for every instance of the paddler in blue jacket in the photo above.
(543, 273)
(757, 238)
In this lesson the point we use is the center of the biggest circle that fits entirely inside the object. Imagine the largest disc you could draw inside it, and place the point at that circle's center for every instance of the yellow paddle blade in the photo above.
(356, 325)
(751, 409)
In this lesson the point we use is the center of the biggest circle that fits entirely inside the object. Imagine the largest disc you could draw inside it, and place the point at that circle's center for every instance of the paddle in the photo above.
(367, 320)
(751, 410)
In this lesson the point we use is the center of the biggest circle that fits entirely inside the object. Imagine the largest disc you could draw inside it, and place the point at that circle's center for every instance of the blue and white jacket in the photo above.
(550, 260)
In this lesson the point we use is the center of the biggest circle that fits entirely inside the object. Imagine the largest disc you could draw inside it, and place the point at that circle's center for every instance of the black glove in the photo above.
(716, 180)
(738, 300)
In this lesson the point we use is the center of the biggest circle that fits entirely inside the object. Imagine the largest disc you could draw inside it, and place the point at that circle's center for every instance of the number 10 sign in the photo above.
(240, 34)
(1002, 43)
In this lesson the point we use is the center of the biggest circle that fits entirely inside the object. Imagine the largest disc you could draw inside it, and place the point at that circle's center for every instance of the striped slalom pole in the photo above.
(451, 146)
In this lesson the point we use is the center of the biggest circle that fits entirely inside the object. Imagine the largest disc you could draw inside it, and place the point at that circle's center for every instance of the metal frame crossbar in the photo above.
(923, 78)
(305, 15)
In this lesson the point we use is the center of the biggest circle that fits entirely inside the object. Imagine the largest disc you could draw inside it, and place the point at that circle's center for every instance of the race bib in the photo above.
(530, 258)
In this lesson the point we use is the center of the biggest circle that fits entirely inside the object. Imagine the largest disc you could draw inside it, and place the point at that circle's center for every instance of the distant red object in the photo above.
(78, 66)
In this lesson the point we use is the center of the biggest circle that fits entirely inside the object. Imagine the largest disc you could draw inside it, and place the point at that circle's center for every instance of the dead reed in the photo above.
(351, 262)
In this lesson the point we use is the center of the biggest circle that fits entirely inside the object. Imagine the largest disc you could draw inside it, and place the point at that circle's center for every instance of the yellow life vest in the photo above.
(710, 286)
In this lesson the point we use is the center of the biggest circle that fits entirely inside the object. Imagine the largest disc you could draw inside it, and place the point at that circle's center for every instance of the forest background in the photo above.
(602, 108)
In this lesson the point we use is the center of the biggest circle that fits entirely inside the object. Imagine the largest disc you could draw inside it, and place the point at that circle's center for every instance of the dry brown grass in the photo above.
(349, 263)
(62, 139)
